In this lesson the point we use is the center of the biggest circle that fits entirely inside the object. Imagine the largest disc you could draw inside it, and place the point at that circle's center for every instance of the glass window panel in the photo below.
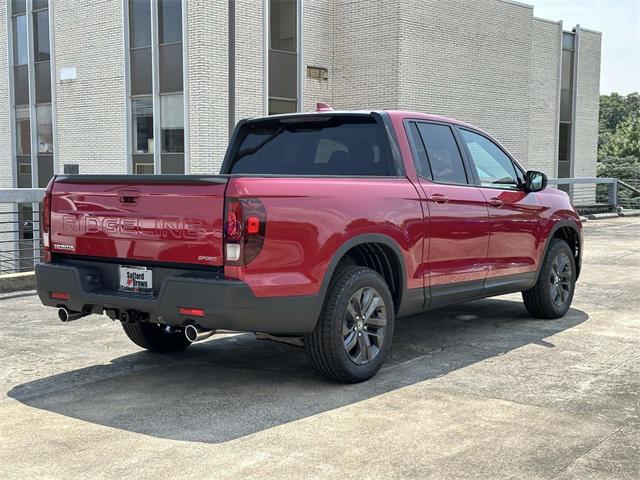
(494, 167)
(71, 168)
(141, 82)
(421, 160)
(142, 112)
(346, 146)
(444, 156)
(143, 164)
(564, 169)
(139, 23)
(18, 6)
(277, 106)
(283, 25)
(566, 100)
(170, 68)
(21, 85)
(41, 36)
(23, 134)
(566, 81)
(568, 41)
(43, 82)
(44, 129)
(169, 21)
(20, 40)
(38, 4)
(172, 123)
(172, 163)
(45, 170)
(564, 142)
(24, 172)
(283, 75)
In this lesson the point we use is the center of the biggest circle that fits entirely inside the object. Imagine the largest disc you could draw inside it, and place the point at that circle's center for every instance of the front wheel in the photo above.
(553, 292)
(355, 329)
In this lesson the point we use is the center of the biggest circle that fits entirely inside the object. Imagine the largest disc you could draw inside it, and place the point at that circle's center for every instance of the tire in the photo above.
(552, 294)
(152, 337)
(350, 342)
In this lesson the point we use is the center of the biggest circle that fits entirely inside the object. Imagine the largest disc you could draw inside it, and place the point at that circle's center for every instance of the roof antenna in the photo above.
(323, 107)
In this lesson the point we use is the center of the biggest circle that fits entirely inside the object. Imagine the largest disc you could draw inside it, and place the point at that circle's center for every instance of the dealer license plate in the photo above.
(136, 279)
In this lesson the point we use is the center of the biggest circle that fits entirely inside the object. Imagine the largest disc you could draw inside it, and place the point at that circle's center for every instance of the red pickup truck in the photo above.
(326, 226)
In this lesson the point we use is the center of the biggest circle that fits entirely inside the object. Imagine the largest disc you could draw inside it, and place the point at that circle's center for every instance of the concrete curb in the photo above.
(630, 213)
(601, 216)
(15, 282)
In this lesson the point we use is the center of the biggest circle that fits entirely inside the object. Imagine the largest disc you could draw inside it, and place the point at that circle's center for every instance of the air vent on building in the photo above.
(320, 73)
(71, 168)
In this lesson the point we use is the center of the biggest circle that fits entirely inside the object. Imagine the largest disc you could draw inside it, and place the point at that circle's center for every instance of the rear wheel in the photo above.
(355, 329)
(552, 294)
(154, 337)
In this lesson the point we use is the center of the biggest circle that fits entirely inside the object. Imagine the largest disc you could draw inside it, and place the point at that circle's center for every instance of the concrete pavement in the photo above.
(474, 391)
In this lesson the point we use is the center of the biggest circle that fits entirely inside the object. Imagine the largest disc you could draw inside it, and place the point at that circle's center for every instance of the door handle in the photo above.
(439, 198)
(496, 202)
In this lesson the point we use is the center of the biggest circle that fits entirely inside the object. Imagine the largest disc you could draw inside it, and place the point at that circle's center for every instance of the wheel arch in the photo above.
(376, 251)
(569, 231)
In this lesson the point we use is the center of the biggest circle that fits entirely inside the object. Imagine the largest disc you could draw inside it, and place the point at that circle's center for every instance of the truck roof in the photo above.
(394, 114)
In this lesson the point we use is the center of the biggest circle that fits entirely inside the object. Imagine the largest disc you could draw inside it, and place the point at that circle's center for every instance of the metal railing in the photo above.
(590, 194)
(20, 218)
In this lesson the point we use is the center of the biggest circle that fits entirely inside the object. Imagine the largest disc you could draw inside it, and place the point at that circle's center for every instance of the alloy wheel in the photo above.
(561, 277)
(364, 325)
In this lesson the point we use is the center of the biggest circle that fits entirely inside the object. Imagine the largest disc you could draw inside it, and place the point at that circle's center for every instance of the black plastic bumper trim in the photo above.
(228, 304)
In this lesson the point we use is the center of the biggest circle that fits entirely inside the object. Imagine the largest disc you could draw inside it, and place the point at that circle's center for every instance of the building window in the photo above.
(156, 86)
(32, 73)
(565, 145)
(283, 56)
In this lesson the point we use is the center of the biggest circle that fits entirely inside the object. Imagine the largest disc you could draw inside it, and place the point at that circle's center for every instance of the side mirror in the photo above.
(535, 181)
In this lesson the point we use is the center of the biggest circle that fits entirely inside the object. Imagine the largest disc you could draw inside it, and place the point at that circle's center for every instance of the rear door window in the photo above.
(353, 146)
(442, 154)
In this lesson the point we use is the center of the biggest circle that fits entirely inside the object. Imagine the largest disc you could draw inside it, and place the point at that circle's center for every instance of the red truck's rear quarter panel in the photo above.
(309, 219)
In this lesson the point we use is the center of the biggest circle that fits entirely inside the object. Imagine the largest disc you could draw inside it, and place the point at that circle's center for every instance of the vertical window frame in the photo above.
(299, 57)
(155, 87)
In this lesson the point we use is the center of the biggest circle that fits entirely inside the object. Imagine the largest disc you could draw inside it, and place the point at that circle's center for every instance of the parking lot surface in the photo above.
(474, 391)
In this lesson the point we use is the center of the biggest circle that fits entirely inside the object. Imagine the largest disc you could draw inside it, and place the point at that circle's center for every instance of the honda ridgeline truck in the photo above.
(327, 226)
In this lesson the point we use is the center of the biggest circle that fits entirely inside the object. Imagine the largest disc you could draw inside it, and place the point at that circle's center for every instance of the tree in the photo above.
(625, 139)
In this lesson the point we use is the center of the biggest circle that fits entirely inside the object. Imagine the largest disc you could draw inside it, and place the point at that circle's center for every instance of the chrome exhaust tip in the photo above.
(65, 315)
(195, 333)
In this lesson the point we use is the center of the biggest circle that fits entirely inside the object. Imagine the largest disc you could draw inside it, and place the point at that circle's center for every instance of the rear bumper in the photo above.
(228, 304)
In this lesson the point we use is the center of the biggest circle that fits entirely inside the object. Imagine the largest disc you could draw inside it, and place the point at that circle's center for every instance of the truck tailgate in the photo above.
(148, 218)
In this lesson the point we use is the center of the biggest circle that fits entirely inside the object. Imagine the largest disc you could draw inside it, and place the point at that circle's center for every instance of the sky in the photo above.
(619, 22)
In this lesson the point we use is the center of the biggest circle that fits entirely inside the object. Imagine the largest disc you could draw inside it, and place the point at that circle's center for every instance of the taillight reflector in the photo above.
(244, 230)
(59, 295)
(192, 312)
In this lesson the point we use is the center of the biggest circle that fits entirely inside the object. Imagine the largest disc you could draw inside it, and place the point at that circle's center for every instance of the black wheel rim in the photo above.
(561, 280)
(364, 325)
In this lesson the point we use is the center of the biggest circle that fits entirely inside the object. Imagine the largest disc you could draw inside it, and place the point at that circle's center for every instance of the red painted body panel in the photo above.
(309, 219)
(167, 223)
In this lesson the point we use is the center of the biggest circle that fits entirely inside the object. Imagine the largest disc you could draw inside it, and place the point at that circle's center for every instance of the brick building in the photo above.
(144, 86)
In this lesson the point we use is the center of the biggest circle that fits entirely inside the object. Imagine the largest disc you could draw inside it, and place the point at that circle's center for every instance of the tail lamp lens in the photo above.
(244, 229)
(46, 226)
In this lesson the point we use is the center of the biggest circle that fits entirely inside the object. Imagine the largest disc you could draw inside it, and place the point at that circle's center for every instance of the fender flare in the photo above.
(359, 240)
(557, 226)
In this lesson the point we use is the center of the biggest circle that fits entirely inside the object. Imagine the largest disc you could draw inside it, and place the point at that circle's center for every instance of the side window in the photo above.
(494, 167)
(442, 153)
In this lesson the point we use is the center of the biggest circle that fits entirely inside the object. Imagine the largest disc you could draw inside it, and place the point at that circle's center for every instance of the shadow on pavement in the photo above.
(230, 387)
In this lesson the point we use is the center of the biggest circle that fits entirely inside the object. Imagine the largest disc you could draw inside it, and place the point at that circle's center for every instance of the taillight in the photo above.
(45, 224)
(244, 229)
